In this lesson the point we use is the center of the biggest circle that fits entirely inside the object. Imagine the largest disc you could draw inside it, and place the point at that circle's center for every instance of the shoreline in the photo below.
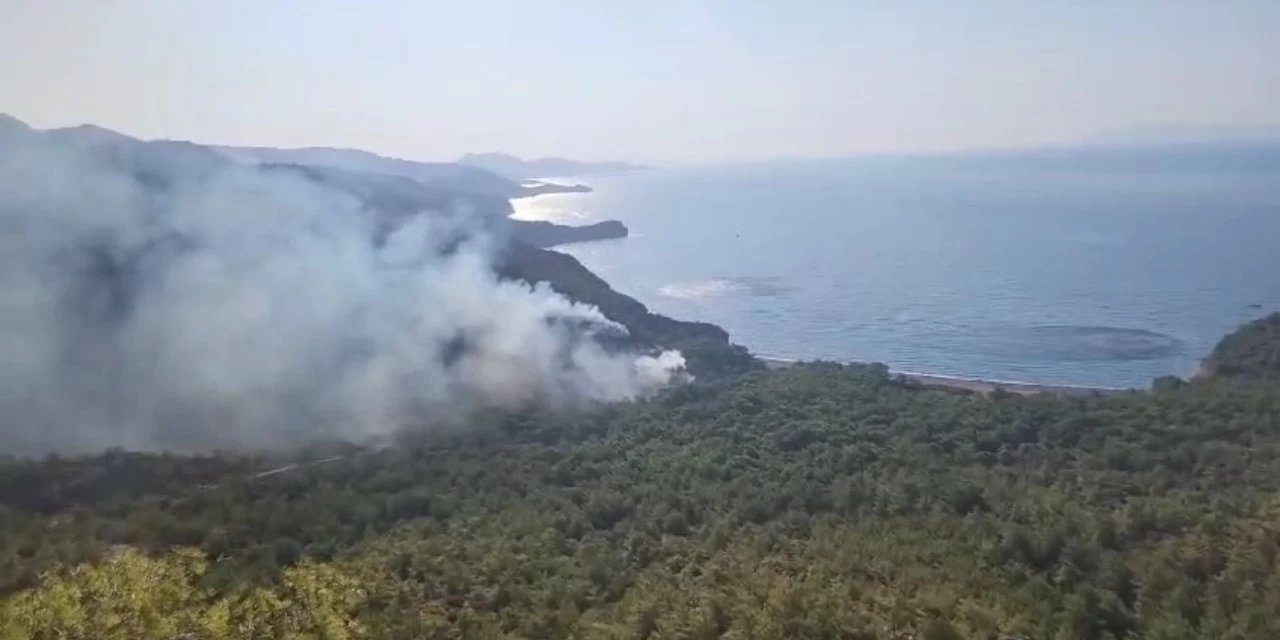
(982, 386)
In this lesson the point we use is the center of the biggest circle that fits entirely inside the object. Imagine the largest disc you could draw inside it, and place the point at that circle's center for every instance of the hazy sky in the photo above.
(652, 80)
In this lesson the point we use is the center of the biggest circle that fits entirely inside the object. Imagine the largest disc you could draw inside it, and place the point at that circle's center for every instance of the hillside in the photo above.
(455, 176)
(1251, 352)
(392, 190)
(818, 501)
(811, 501)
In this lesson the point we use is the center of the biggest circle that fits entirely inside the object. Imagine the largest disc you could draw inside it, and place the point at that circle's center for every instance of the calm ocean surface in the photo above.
(1091, 271)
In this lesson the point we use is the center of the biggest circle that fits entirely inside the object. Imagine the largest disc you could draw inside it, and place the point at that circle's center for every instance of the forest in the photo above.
(817, 501)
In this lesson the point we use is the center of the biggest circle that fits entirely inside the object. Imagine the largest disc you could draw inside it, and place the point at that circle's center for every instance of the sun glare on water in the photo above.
(560, 208)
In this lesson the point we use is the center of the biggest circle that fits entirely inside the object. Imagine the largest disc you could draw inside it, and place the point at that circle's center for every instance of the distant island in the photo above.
(537, 188)
(514, 168)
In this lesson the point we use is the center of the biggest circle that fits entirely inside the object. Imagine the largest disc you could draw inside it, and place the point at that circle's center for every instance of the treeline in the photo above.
(820, 501)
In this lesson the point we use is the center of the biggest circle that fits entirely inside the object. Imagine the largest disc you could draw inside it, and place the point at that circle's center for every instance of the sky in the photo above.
(662, 81)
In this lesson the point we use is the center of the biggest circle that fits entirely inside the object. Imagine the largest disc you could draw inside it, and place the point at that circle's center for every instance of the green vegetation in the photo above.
(705, 346)
(819, 501)
(1253, 351)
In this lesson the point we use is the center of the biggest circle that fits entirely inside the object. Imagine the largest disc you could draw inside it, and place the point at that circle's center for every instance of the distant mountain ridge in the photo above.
(514, 168)
(1160, 135)
(457, 175)
(391, 188)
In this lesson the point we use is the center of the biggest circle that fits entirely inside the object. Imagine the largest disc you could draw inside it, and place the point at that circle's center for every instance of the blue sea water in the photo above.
(1100, 269)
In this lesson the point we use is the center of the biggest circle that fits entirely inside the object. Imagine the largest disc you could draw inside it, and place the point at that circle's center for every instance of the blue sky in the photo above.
(675, 81)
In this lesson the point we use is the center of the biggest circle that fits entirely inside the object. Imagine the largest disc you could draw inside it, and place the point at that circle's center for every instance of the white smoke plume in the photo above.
(249, 307)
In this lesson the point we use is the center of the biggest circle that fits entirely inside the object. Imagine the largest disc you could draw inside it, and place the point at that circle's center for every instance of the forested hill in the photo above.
(1253, 351)
(390, 190)
(818, 501)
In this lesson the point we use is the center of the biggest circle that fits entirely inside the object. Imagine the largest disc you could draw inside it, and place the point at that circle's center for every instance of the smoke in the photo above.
(226, 305)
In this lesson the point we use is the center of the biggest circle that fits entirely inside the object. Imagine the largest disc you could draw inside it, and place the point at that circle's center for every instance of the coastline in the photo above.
(543, 234)
(982, 386)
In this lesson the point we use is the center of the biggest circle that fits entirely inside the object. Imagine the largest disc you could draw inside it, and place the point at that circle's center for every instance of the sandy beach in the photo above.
(973, 385)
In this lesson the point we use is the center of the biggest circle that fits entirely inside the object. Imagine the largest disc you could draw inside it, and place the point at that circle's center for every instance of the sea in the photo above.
(1101, 268)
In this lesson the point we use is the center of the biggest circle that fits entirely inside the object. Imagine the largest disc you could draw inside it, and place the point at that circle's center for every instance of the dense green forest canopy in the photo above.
(818, 501)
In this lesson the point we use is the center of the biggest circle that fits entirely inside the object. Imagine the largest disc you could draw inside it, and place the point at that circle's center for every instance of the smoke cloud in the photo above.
(226, 305)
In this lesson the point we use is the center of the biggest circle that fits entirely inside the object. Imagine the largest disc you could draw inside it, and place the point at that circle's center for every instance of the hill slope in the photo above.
(1252, 351)
(818, 501)
(392, 189)
(455, 176)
